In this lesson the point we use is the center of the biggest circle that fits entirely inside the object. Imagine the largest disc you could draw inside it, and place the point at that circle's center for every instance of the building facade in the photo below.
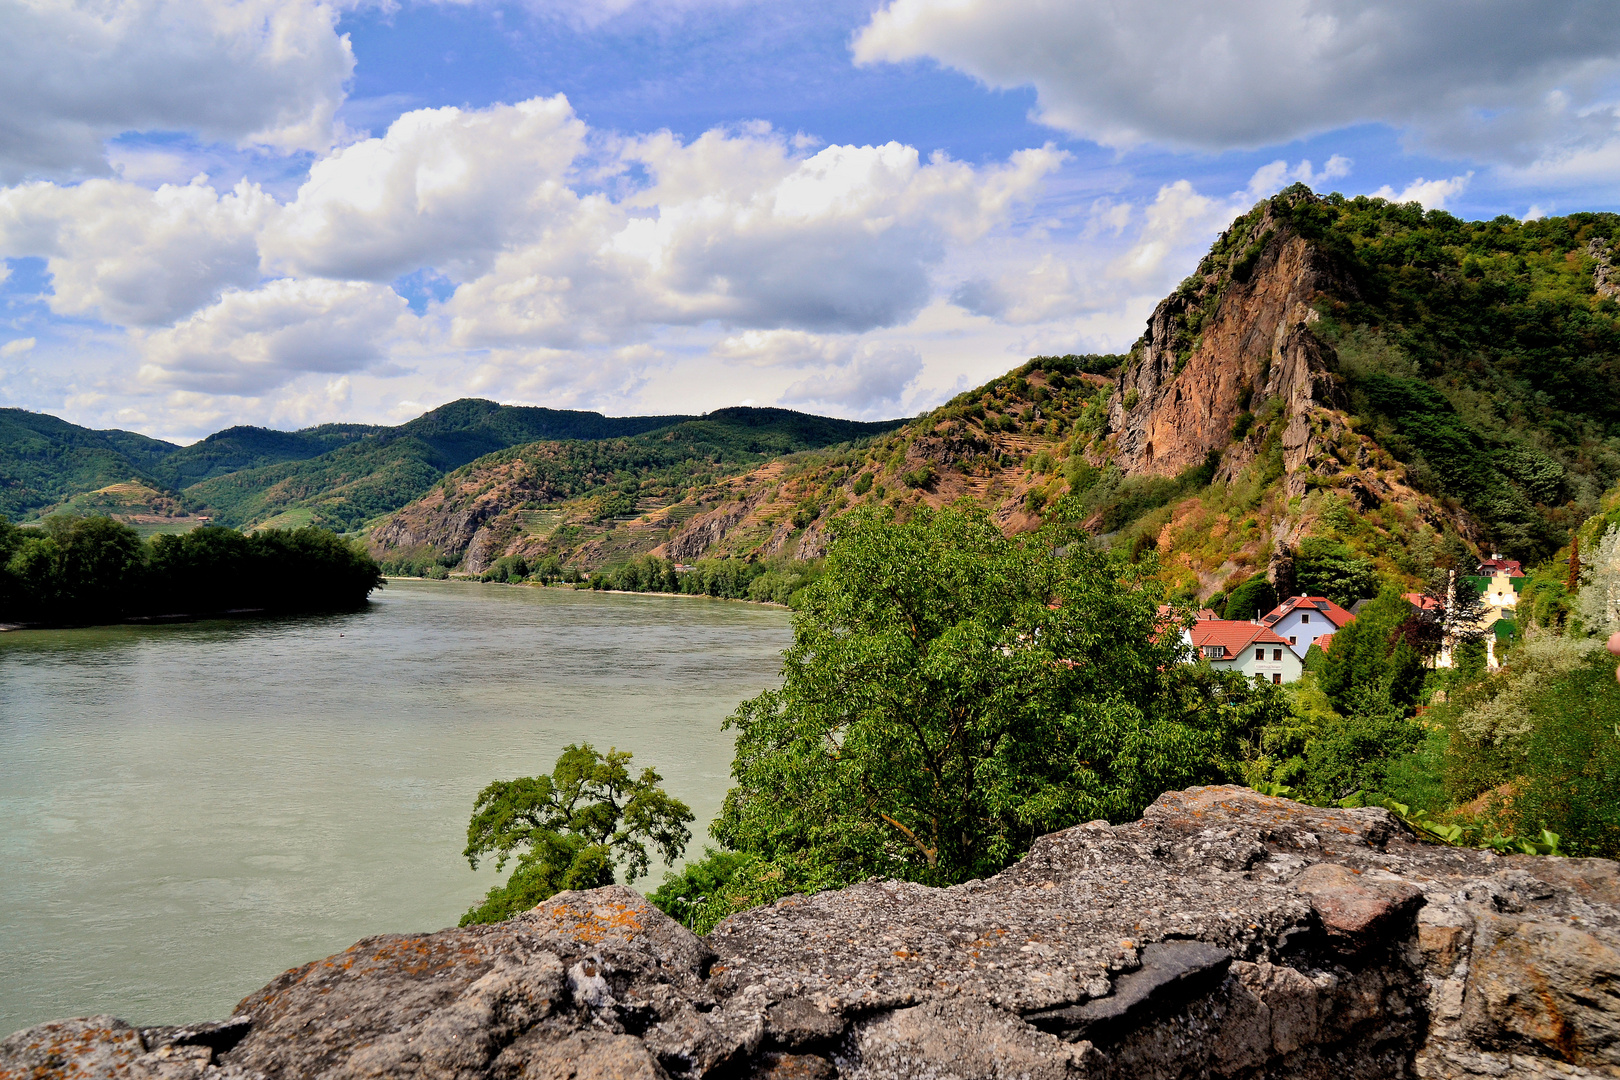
(1300, 620)
(1246, 647)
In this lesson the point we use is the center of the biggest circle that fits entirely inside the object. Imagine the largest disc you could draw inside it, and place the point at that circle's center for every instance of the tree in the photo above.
(952, 694)
(1371, 670)
(571, 829)
(1251, 599)
(1452, 614)
(1600, 585)
(1327, 568)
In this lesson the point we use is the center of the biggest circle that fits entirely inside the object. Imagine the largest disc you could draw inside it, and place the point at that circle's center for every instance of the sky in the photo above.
(289, 212)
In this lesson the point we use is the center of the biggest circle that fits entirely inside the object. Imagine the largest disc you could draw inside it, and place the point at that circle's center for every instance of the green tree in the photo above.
(1251, 599)
(571, 829)
(1371, 670)
(1327, 568)
(952, 694)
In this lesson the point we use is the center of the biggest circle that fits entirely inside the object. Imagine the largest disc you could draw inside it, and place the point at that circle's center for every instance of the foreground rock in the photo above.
(1226, 934)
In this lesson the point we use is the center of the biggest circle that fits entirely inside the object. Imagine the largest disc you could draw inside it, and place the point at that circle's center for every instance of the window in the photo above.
(1259, 654)
(1304, 617)
(1292, 640)
(1276, 654)
(1215, 651)
(1276, 680)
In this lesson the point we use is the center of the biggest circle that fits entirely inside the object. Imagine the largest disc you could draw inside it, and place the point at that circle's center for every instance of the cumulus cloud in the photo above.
(446, 188)
(870, 382)
(849, 375)
(127, 255)
(1433, 194)
(253, 341)
(1502, 79)
(72, 74)
(1127, 253)
(738, 227)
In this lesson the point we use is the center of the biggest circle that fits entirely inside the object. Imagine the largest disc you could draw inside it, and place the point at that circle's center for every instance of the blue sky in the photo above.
(287, 212)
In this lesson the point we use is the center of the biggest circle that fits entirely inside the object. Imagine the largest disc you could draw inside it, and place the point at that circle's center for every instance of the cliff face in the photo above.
(1225, 935)
(1234, 349)
(1235, 340)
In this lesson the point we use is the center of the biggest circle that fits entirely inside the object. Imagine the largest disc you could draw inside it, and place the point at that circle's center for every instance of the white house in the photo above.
(1300, 620)
(1247, 647)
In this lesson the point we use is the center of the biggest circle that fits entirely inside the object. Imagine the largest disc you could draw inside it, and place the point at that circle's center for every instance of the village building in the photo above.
(1246, 647)
(1300, 620)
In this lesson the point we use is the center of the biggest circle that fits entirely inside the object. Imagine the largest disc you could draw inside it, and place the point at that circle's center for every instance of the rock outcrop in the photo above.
(1224, 935)
(1231, 358)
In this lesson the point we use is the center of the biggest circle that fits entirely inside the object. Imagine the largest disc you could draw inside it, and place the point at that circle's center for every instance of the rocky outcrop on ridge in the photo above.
(1235, 341)
(1224, 935)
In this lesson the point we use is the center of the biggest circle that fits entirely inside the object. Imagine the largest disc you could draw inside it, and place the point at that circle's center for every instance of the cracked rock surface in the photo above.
(1224, 935)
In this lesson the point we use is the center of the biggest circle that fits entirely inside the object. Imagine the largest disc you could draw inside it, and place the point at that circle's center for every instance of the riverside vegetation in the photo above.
(82, 571)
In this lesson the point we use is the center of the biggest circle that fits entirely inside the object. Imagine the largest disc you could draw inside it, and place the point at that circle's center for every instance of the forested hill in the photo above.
(338, 475)
(1377, 388)
(44, 460)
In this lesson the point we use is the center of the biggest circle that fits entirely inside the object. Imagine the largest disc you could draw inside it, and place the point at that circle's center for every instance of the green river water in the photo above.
(188, 810)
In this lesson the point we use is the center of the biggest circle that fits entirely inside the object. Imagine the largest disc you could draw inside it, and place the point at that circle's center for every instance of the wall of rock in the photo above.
(1224, 935)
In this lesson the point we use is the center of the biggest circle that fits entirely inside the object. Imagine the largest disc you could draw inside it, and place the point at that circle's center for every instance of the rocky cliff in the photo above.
(1231, 358)
(1224, 935)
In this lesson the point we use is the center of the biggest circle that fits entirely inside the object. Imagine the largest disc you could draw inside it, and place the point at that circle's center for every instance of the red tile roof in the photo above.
(1335, 614)
(1231, 637)
(1494, 564)
(1421, 602)
(1324, 642)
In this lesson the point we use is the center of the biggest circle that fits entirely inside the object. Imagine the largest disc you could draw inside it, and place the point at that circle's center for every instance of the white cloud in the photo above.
(446, 188)
(72, 74)
(253, 341)
(739, 228)
(119, 252)
(17, 346)
(871, 381)
(1433, 194)
(1269, 179)
(1503, 79)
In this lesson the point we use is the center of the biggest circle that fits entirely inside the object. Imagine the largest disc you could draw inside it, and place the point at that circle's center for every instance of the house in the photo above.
(1500, 595)
(1243, 646)
(1496, 564)
(1300, 620)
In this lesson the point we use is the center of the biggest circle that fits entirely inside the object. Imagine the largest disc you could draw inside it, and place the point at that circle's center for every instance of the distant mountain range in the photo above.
(345, 475)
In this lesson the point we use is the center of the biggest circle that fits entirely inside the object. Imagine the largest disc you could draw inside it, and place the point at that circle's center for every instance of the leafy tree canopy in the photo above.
(1371, 670)
(952, 694)
(571, 829)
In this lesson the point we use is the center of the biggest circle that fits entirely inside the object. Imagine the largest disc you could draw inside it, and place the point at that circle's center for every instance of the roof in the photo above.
(1335, 614)
(1422, 602)
(1324, 642)
(1497, 565)
(1232, 636)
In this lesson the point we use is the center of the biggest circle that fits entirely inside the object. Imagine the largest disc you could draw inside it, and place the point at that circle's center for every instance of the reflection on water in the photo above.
(187, 810)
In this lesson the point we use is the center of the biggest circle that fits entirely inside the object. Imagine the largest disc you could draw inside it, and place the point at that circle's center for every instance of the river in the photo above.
(188, 810)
